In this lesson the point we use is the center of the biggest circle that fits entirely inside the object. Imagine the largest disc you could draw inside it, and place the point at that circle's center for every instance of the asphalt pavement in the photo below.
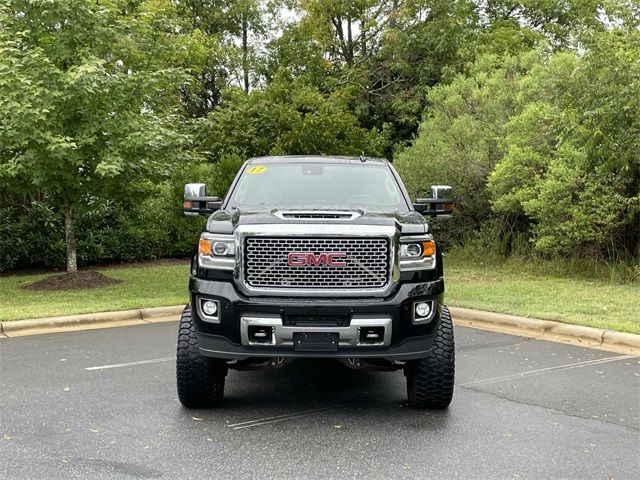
(102, 404)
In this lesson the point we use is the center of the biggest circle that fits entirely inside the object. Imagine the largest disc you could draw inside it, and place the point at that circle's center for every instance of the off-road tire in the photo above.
(200, 379)
(430, 379)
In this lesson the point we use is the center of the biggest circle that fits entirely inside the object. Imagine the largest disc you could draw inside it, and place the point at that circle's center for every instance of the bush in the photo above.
(27, 236)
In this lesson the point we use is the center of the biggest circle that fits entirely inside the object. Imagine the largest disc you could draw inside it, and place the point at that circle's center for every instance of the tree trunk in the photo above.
(245, 52)
(349, 42)
(69, 237)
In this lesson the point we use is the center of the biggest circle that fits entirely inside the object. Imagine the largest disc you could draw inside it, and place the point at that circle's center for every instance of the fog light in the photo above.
(258, 334)
(210, 308)
(423, 309)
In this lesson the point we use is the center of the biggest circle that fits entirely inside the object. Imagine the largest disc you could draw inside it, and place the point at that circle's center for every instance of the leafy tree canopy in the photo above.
(86, 111)
(529, 108)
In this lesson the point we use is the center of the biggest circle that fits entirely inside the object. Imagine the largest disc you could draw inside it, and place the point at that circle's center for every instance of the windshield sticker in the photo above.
(257, 169)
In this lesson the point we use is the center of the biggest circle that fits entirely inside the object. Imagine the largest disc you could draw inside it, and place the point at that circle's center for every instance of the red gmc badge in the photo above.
(309, 259)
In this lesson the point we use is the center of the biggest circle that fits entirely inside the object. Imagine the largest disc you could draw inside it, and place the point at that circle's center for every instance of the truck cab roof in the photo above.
(301, 159)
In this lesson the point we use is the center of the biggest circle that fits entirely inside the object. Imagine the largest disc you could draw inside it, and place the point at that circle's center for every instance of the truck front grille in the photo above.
(363, 263)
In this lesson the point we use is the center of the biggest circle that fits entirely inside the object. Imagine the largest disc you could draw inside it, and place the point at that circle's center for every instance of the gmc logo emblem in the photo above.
(308, 259)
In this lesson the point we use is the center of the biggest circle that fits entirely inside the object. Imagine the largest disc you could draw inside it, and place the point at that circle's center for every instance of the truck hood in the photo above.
(225, 221)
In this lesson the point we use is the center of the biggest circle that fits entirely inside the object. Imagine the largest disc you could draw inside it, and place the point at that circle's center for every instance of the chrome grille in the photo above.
(266, 264)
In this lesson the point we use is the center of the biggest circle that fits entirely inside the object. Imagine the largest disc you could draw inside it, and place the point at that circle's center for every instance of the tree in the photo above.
(459, 141)
(250, 23)
(233, 34)
(286, 118)
(389, 52)
(560, 22)
(572, 163)
(88, 111)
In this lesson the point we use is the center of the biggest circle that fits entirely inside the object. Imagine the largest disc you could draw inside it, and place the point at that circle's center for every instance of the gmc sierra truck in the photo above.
(316, 257)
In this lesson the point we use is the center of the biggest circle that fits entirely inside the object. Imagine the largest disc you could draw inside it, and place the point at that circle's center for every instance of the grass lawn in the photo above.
(142, 286)
(510, 287)
(498, 287)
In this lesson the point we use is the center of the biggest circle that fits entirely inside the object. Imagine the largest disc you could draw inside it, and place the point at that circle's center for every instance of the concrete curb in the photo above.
(548, 330)
(498, 322)
(90, 321)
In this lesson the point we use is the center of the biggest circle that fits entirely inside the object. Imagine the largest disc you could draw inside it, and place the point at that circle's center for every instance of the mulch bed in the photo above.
(73, 281)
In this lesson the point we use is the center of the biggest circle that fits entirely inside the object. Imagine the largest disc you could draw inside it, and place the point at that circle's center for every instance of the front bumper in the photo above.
(402, 339)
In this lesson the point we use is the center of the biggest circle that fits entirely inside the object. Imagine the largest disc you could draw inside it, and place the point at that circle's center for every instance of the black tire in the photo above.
(430, 379)
(200, 379)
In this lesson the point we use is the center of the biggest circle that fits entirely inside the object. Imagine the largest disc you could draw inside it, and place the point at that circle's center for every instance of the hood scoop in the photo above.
(316, 215)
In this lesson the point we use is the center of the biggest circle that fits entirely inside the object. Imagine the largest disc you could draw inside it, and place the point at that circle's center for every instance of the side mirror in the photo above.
(196, 201)
(439, 203)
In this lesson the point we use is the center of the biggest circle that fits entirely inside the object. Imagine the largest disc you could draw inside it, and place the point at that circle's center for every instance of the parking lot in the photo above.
(102, 404)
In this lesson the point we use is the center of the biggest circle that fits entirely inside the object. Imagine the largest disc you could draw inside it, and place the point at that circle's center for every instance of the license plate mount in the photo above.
(315, 341)
(315, 320)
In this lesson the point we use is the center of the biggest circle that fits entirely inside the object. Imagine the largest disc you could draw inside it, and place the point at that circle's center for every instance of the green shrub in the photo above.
(27, 236)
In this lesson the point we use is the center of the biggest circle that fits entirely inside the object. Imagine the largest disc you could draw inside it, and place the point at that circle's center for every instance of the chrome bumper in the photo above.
(282, 336)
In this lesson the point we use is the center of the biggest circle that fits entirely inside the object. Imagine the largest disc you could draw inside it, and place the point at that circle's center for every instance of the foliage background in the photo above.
(529, 109)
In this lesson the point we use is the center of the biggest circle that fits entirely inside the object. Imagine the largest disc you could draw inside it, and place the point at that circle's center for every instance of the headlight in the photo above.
(223, 248)
(217, 251)
(411, 250)
(417, 253)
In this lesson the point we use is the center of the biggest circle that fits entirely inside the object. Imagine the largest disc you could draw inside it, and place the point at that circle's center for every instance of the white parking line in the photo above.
(540, 371)
(282, 418)
(130, 364)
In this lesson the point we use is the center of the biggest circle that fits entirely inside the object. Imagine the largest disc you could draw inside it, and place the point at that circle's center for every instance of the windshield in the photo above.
(318, 186)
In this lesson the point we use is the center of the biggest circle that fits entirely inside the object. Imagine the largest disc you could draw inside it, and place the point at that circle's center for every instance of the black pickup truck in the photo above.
(316, 257)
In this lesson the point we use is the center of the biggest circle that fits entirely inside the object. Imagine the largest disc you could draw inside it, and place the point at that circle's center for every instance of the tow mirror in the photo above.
(196, 201)
(439, 203)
